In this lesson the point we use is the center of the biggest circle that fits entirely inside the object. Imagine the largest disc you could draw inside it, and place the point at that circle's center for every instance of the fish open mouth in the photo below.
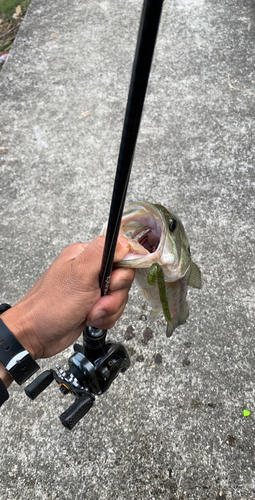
(144, 232)
(147, 239)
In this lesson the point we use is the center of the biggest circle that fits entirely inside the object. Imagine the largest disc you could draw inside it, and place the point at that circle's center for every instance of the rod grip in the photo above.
(76, 411)
(39, 384)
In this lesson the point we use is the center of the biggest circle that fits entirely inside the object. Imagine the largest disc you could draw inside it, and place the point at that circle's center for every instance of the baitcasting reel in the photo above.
(90, 372)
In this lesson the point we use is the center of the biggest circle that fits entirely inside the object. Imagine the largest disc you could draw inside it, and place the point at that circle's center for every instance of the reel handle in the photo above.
(77, 410)
(39, 384)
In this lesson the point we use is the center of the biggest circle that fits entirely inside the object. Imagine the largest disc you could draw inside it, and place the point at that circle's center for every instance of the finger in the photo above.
(96, 247)
(107, 306)
(121, 278)
(109, 321)
(91, 256)
(122, 249)
(90, 260)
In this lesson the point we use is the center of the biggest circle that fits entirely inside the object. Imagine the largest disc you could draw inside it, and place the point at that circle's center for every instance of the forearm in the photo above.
(19, 320)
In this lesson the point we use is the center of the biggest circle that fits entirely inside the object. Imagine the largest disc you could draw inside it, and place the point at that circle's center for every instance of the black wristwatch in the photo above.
(18, 361)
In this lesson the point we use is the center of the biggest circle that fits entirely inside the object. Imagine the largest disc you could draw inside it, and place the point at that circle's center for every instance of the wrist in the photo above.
(16, 359)
(19, 321)
(4, 376)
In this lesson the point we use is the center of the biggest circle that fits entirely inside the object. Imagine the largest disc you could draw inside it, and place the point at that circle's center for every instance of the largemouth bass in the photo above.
(157, 236)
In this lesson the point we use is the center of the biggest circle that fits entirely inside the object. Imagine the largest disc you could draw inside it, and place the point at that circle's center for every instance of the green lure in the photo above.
(154, 273)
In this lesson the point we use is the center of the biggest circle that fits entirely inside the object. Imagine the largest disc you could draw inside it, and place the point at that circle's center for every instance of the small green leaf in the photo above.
(246, 413)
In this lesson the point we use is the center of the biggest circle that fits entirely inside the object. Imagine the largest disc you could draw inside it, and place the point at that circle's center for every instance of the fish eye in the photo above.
(172, 225)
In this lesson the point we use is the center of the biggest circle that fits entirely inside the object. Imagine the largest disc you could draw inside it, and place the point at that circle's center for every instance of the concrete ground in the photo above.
(170, 430)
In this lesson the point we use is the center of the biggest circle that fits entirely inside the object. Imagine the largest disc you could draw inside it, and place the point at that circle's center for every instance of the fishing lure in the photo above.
(156, 273)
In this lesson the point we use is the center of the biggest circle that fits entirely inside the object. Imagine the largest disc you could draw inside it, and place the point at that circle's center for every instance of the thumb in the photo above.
(96, 247)
(122, 249)
(91, 257)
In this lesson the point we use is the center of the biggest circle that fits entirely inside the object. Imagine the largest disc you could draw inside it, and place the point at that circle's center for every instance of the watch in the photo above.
(18, 361)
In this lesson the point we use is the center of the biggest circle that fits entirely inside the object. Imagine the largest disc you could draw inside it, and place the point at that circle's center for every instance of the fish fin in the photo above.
(145, 293)
(180, 320)
(195, 276)
(184, 314)
(154, 314)
(169, 330)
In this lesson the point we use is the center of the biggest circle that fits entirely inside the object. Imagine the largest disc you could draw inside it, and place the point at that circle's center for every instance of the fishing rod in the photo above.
(90, 372)
(140, 74)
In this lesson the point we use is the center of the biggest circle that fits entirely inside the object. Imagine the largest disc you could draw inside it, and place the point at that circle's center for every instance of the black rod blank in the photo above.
(140, 74)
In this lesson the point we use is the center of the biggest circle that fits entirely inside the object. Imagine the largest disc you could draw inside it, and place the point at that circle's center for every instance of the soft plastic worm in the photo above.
(155, 272)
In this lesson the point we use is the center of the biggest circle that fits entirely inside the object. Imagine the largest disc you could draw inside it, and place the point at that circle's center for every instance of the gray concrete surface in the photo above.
(173, 430)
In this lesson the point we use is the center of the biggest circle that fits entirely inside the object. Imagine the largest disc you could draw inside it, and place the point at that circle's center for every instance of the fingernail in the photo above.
(97, 317)
(118, 285)
(124, 243)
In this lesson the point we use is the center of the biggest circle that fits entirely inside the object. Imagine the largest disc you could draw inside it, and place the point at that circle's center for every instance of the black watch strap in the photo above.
(4, 395)
(17, 361)
(4, 307)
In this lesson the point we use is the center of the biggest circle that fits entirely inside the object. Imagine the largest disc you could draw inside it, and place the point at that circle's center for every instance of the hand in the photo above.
(67, 297)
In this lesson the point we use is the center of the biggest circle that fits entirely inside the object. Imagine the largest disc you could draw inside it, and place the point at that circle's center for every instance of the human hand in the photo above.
(67, 298)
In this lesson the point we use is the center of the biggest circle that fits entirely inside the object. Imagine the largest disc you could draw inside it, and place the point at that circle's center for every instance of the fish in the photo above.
(157, 236)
